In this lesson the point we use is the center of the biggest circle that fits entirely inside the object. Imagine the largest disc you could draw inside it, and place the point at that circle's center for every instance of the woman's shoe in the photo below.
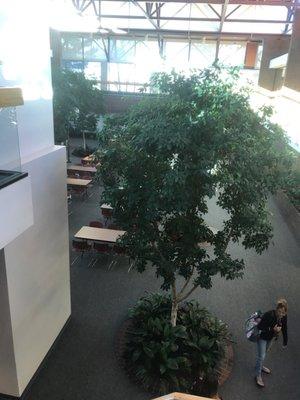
(259, 381)
(266, 370)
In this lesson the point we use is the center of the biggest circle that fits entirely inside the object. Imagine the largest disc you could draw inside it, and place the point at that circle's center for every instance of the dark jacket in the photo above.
(267, 324)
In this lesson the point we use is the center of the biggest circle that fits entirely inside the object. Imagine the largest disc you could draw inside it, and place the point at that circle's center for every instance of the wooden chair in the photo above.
(118, 252)
(80, 191)
(113, 226)
(80, 247)
(107, 214)
(96, 224)
(100, 249)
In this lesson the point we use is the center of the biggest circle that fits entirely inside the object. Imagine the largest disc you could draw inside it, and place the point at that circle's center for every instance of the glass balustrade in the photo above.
(10, 163)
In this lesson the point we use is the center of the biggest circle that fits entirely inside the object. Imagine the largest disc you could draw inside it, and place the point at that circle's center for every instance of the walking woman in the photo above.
(272, 323)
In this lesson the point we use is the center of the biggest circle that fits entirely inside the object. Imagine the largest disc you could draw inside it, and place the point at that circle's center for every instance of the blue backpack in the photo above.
(251, 330)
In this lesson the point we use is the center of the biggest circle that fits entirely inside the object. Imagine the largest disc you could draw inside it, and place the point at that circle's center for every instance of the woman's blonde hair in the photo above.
(282, 303)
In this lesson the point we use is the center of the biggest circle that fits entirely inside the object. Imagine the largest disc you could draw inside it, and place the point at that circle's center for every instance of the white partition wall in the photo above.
(37, 267)
(34, 262)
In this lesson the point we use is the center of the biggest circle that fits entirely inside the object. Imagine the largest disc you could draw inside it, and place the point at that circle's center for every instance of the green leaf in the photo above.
(135, 356)
(148, 351)
(172, 364)
(162, 369)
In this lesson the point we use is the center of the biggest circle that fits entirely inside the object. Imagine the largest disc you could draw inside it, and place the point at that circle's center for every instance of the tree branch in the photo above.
(186, 282)
(180, 297)
(228, 239)
(188, 293)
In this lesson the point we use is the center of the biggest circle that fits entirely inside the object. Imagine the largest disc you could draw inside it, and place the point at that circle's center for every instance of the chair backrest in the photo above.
(119, 249)
(80, 245)
(106, 212)
(86, 176)
(101, 248)
(78, 189)
(96, 224)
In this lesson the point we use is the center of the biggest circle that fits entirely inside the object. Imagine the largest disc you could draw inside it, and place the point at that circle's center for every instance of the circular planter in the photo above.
(223, 369)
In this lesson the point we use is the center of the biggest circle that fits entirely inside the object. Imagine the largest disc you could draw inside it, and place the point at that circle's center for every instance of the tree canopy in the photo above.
(77, 103)
(198, 137)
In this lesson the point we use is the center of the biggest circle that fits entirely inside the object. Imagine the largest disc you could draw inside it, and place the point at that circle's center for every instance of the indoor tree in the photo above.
(164, 159)
(77, 103)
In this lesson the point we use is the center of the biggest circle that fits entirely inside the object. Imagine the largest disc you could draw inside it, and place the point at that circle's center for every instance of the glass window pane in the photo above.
(177, 54)
(147, 50)
(232, 54)
(92, 70)
(121, 72)
(75, 66)
(72, 48)
(94, 49)
(122, 50)
(253, 27)
(9, 141)
(259, 55)
(202, 54)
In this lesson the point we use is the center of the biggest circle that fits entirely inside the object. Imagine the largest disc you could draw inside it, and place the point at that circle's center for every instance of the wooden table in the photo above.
(78, 182)
(89, 158)
(81, 168)
(99, 234)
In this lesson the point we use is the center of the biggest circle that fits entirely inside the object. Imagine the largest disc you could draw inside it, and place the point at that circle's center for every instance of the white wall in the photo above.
(37, 267)
(34, 272)
(18, 216)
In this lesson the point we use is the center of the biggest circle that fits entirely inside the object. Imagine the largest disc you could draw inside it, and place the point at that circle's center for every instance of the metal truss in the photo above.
(197, 35)
(290, 17)
(82, 5)
(151, 11)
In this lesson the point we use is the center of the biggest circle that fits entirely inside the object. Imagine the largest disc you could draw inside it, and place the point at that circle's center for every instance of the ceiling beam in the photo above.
(211, 7)
(135, 17)
(82, 5)
(201, 34)
(281, 3)
(145, 13)
(158, 6)
(233, 11)
(169, 34)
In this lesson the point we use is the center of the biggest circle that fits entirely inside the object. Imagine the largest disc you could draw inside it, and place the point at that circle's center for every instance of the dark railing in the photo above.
(9, 177)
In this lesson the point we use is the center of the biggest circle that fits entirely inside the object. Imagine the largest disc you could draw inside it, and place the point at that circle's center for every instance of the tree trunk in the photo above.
(83, 140)
(174, 312)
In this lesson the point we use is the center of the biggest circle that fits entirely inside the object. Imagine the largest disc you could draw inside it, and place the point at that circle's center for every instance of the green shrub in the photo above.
(164, 358)
(293, 188)
(77, 103)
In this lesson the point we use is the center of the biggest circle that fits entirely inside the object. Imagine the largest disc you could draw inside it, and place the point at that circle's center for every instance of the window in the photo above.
(95, 49)
(232, 53)
(122, 51)
(72, 48)
(202, 54)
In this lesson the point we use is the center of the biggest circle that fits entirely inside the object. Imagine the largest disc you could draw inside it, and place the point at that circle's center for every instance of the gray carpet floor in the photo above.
(83, 364)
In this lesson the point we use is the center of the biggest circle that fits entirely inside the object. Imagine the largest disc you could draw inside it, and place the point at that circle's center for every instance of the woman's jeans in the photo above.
(262, 347)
